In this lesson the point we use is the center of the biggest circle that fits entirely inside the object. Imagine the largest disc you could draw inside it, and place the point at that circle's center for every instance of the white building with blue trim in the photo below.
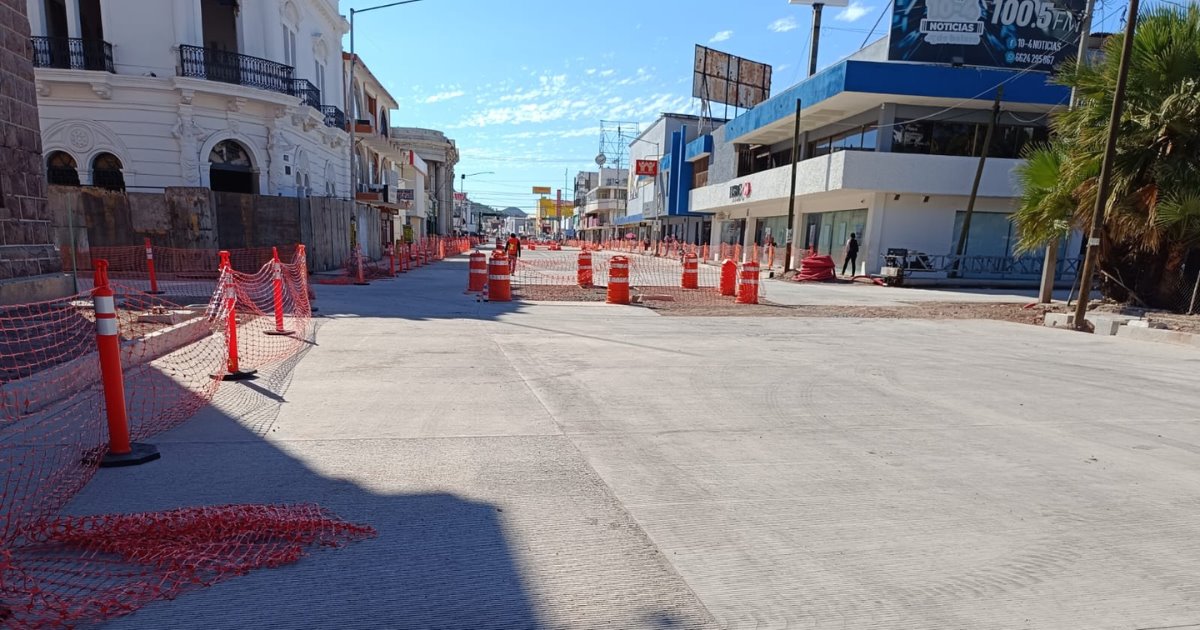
(888, 151)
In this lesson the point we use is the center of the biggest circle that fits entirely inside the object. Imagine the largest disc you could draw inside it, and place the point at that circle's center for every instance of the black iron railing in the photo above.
(231, 67)
(306, 92)
(72, 53)
(334, 117)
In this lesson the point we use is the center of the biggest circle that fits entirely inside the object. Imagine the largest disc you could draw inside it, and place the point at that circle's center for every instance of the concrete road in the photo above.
(593, 466)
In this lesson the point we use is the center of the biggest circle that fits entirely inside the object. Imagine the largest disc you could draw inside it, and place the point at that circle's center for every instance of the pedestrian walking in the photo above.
(851, 255)
(513, 249)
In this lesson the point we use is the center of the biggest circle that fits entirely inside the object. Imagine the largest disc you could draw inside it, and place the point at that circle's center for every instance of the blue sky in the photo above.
(522, 85)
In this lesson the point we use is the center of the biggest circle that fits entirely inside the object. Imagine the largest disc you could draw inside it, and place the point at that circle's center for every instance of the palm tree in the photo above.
(1152, 219)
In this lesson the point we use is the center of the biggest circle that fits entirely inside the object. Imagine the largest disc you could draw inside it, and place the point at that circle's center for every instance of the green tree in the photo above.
(1152, 218)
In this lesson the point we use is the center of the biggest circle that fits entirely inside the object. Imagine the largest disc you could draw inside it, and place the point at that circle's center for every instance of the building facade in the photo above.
(435, 192)
(603, 204)
(888, 153)
(649, 195)
(30, 266)
(234, 96)
(379, 161)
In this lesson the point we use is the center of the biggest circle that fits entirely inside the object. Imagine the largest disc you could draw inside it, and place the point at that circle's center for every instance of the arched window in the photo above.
(230, 168)
(107, 172)
(61, 169)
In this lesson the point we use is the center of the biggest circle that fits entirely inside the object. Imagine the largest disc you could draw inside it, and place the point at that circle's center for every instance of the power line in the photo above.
(877, 21)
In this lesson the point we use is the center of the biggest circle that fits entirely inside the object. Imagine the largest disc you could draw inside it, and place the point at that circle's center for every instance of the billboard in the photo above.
(541, 190)
(550, 209)
(1018, 34)
(724, 78)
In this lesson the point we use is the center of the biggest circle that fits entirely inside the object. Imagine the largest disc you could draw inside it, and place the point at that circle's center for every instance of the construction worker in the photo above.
(513, 249)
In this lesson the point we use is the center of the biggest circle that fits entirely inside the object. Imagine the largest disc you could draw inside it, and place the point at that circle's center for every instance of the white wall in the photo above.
(162, 127)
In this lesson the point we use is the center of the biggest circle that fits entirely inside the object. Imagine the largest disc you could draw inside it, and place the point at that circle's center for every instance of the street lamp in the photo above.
(350, 90)
(463, 188)
(658, 204)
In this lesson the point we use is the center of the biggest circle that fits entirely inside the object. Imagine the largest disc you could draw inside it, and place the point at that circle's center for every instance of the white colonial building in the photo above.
(235, 95)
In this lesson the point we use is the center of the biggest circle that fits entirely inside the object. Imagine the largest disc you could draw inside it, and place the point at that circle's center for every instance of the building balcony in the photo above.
(603, 205)
(72, 53)
(334, 117)
(860, 171)
(230, 67)
(308, 93)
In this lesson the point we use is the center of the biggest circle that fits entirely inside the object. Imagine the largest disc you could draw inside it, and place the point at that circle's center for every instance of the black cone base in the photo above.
(240, 375)
(139, 454)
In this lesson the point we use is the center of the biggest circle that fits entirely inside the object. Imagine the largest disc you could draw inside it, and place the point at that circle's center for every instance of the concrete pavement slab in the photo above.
(584, 466)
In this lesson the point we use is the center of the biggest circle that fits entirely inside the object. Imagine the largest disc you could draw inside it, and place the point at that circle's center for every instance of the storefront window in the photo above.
(827, 232)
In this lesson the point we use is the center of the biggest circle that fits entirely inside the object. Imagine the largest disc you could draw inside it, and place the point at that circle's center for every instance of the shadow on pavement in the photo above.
(439, 561)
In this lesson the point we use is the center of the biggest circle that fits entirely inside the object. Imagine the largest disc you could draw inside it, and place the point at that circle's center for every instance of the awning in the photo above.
(633, 218)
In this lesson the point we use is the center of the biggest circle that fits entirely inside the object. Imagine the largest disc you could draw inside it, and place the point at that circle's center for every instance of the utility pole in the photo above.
(961, 250)
(1050, 264)
(816, 37)
(791, 220)
(353, 116)
(1106, 168)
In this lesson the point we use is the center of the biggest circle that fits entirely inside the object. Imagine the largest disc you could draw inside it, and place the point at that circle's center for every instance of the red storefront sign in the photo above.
(646, 168)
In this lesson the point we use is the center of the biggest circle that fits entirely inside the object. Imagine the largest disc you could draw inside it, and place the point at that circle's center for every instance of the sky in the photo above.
(523, 85)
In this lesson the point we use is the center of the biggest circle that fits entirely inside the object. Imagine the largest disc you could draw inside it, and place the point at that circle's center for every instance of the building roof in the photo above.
(852, 86)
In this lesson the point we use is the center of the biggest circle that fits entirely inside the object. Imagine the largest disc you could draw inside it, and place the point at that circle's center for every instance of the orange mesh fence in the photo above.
(554, 276)
(186, 276)
(66, 571)
(398, 259)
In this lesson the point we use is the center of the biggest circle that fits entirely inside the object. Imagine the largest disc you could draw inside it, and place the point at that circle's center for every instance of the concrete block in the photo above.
(164, 316)
(1107, 324)
(1059, 320)
(1157, 335)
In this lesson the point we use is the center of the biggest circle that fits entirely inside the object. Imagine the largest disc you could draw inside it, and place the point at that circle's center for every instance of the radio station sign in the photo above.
(1019, 34)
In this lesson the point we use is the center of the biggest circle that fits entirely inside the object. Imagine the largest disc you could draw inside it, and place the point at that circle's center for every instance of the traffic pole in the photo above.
(121, 452)
(277, 280)
(150, 268)
(232, 367)
(362, 281)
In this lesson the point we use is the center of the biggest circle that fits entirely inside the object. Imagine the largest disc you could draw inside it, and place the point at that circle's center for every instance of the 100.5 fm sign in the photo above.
(1023, 34)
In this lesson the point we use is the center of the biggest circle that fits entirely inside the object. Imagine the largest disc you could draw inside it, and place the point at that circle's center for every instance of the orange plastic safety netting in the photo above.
(555, 276)
(183, 276)
(57, 571)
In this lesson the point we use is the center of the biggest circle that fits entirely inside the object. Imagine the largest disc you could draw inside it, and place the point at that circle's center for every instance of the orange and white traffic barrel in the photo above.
(748, 284)
(499, 278)
(585, 270)
(691, 272)
(478, 272)
(729, 273)
(618, 280)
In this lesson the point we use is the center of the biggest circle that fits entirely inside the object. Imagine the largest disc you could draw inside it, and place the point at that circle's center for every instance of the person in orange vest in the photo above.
(513, 249)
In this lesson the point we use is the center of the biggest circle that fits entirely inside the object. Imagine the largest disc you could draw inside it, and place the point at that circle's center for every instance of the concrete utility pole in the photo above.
(1106, 168)
(961, 250)
(791, 220)
(1050, 264)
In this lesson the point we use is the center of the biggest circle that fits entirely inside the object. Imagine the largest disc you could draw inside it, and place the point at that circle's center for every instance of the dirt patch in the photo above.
(558, 293)
(931, 310)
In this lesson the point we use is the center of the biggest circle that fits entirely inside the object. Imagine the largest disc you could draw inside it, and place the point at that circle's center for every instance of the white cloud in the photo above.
(443, 96)
(853, 13)
(721, 36)
(590, 71)
(608, 73)
(783, 25)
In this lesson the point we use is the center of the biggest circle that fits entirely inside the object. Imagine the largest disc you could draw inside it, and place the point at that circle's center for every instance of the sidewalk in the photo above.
(586, 466)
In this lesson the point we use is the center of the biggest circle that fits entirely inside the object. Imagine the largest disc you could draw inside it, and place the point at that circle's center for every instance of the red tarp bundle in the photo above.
(817, 269)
